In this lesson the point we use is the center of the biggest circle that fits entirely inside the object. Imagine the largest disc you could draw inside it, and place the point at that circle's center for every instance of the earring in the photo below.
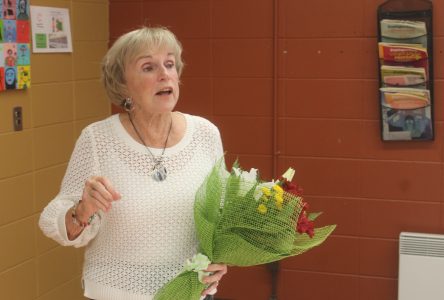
(127, 104)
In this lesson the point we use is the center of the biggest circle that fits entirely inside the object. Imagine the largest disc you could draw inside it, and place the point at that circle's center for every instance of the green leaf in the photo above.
(235, 165)
(313, 216)
(185, 286)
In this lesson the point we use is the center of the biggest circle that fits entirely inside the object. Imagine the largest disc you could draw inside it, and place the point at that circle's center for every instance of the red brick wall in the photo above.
(294, 83)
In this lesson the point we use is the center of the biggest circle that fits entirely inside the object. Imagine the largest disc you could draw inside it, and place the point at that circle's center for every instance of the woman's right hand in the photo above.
(98, 194)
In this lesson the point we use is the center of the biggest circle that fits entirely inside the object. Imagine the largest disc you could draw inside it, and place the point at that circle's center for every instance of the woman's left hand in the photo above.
(218, 270)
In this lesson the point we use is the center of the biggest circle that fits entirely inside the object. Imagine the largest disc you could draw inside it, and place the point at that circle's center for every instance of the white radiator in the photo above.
(421, 266)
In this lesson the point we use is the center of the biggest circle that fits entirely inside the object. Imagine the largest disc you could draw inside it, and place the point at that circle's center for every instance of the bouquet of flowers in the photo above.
(243, 221)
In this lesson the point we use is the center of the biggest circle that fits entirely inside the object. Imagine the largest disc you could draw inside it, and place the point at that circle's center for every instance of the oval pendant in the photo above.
(160, 173)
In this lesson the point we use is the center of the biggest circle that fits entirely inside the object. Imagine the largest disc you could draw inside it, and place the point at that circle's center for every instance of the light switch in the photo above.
(17, 118)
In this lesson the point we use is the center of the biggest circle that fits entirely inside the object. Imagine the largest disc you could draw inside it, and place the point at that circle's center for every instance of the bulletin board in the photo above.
(15, 64)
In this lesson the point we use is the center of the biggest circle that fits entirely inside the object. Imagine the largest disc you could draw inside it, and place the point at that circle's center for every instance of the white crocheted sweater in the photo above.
(144, 240)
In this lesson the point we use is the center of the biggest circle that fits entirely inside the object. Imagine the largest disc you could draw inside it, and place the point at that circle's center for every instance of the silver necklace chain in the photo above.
(159, 170)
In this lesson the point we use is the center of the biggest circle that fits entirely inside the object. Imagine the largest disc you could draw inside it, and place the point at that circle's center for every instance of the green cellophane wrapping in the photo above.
(231, 229)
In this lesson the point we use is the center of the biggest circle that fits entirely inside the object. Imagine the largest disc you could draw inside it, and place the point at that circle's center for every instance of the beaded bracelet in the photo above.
(77, 221)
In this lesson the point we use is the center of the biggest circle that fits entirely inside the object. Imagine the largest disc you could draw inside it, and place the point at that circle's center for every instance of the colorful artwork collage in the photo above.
(15, 63)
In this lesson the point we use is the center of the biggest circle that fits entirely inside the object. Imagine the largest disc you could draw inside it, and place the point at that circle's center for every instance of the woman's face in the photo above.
(152, 81)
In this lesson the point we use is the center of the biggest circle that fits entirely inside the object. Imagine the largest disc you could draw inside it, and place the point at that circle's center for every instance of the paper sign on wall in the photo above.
(51, 31)
(15, 69)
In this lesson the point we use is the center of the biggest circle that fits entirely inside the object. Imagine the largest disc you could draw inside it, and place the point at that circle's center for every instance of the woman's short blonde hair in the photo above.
(128, 47)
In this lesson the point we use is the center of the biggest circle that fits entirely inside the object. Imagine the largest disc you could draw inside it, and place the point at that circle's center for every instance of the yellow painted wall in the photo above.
(65, 96)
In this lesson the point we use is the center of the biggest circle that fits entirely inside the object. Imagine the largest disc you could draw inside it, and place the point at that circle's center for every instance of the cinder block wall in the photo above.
(65, 96)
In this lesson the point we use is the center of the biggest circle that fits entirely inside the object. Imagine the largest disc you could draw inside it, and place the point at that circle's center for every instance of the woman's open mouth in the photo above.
(165, 91)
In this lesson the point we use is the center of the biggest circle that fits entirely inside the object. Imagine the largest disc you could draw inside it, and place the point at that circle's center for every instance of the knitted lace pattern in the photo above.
(144, 240)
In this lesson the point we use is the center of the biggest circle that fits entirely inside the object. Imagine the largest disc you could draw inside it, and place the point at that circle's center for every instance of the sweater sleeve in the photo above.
(82, 165)
(217, 144)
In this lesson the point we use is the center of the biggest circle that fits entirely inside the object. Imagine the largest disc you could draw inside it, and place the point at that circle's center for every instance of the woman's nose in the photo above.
(163, 73)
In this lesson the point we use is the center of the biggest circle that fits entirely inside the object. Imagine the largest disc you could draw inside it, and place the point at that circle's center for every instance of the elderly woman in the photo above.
(129, 188)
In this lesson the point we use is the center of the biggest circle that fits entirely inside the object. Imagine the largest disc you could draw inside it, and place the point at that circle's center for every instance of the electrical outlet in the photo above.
(17, 118)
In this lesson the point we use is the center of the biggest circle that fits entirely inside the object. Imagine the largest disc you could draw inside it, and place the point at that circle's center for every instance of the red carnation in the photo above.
(292, 188)
(305, 225)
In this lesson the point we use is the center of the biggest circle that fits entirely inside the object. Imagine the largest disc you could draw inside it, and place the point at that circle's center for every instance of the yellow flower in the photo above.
(279, 199)
(262, 208)
(266, 191)
(278, 189)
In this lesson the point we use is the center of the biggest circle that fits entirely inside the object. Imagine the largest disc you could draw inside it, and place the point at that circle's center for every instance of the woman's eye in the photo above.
(147, 68)
(169, 65)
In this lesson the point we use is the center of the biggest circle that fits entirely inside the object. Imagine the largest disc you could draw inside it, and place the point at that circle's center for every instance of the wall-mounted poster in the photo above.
(51, 31)
(15, 62)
